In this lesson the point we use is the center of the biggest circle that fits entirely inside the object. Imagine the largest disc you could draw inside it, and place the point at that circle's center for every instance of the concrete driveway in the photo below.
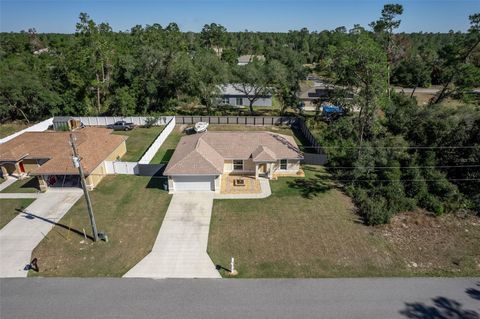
(180, 250)
(20, 236)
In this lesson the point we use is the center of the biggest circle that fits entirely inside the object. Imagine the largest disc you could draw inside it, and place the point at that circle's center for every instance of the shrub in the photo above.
(151, 121)
(432, 203)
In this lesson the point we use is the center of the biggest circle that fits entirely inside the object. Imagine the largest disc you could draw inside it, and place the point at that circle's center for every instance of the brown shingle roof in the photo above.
(205, 153)
(94, 145)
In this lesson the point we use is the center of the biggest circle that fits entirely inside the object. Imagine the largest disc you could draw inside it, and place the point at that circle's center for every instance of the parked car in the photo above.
(121, 126)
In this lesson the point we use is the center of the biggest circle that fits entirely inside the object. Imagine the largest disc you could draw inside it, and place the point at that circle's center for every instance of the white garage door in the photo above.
(194, 183)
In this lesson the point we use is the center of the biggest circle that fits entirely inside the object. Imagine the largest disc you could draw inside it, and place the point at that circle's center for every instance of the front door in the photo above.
(22, 168)
(262, 168)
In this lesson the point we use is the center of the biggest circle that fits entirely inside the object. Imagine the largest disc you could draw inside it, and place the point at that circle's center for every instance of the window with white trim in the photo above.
(225, 100)
(238, 165)
(283, 164)
(239, 101)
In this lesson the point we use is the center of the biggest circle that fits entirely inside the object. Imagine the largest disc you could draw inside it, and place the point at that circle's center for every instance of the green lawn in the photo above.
(165, 152)
(27, 185)
(10, 208)
(139, 140)
(168, 147)
(308, 228)
(10, 128)
(130, 209)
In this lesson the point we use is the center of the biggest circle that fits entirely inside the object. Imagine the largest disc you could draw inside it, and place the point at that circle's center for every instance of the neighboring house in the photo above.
(41, 51)
(200, 160)
(229, 95)
(48, 155)
(246, 59)
(310, 97)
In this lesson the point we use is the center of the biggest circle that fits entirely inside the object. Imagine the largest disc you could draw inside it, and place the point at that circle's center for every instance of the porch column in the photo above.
(256, 170)
(4, 171)
(42, 183)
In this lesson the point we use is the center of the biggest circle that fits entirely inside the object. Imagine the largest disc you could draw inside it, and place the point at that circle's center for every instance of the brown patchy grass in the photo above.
(10, 128)
(9, 209)
(130, 209)
(308, 228)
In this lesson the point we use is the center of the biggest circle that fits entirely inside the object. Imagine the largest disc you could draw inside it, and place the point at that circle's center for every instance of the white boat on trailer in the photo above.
(201, 127)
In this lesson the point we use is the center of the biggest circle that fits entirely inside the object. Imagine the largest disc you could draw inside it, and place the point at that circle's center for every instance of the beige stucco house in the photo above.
(200, 160)
(48, 156)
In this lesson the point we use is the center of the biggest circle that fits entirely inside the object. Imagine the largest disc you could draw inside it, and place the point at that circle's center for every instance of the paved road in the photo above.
(222, 298)
(180, 250)
(21, 235)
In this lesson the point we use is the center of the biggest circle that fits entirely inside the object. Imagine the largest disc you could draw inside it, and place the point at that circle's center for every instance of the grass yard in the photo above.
(9, 209)
(139, 140)
(27, 185)
(165, 152)
(307, 228)
(130, 209)
(10, 128)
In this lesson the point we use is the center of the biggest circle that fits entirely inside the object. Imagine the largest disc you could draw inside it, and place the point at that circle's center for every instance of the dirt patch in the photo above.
(425, 242)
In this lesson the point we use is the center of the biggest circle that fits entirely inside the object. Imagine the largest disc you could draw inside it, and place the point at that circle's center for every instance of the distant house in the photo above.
(246, 59)
(41, 51)
(310, 97)
(229, 95)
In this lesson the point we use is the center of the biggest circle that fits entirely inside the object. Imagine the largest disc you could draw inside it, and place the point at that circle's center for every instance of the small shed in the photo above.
(65, 123)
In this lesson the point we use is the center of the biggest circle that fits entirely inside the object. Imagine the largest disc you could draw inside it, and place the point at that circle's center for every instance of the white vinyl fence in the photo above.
(152, 150)
(106, 120)
(39, 127)
(129, 168)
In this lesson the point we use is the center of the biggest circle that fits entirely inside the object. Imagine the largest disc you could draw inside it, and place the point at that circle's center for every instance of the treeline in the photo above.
(156, 69)
(393, 155)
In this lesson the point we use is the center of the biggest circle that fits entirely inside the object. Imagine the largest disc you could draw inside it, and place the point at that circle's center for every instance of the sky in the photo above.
(253, 15)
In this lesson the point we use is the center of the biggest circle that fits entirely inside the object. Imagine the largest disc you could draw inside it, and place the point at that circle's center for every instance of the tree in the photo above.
(257, 79)
(213, 35)
(361, 66)
(413, 72)
(210, 72)
(455, 62)
(384, 28)
(96, 50)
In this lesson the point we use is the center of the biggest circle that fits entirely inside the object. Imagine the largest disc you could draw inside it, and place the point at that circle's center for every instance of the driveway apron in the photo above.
(21, 235)
(180, 250)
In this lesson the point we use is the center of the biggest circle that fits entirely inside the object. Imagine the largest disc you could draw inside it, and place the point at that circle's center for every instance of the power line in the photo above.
(396, 147)
(382, 167)
(407, 180)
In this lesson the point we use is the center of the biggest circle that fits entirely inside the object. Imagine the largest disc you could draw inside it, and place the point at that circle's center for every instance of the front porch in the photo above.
(239, 184)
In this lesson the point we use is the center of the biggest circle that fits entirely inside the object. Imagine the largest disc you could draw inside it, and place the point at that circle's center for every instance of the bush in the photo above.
(432, 203)
(374, 210)
(151, 121)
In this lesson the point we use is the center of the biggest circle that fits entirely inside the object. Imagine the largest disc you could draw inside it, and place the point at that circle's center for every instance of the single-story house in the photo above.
(247, 58)
(200, 160)
(48, 155)
(231, 95)
(310, 97)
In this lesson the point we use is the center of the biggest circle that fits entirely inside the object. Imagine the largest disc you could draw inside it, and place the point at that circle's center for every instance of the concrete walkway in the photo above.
(180, 250)
(20, 236)
(19, 195)
(9, 181)
(265, 192)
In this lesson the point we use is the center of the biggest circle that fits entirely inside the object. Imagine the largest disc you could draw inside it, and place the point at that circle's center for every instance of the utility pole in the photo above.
(77, 163)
